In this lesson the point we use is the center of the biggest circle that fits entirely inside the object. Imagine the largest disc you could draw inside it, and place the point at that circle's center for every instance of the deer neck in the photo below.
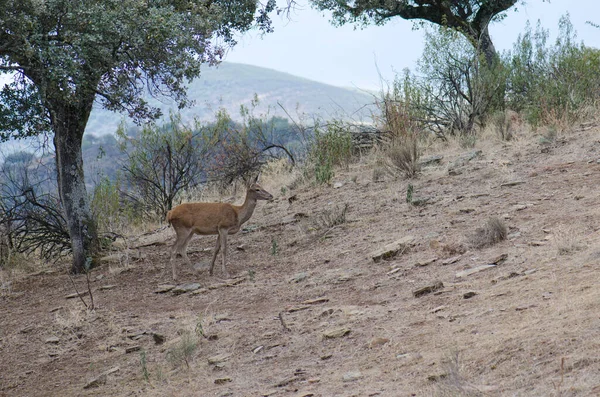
(246, 209)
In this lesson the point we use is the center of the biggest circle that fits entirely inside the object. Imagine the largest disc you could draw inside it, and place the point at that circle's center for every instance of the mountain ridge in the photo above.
(230, 85)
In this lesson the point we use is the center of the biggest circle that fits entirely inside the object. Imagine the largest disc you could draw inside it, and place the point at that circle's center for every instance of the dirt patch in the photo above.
(311, 314)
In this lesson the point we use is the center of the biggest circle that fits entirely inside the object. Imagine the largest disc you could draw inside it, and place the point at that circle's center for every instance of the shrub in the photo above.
(552, 84)
(112, 214)
(401, 157)
(163, 161)
(329, 148)
(491, 233)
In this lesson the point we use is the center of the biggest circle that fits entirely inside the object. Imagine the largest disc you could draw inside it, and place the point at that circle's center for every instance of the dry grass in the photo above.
(401, 157)
(493, 232)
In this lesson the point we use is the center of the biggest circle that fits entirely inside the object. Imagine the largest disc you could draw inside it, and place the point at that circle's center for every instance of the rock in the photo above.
(222, 381)
(394, 271)
(298, 278)
(452, 260)
(469, 294)
(428, 289)
(513, 183)
(199, 291)
(163, 288)
(219, 358)
(352, 376)
(287, 381)
(159, 339)
(184, 288)
(258, 349)
(409, 357)
(101, 379)
(425, 263)
(474, 270)
(391, 250)
(53, 340)
(241, 247)
(131, 349)
(315, 301)
(77, 295)
(438, 309)
(338, 185)
(336, 333)
(293, 309)
(221, 317)
(499, 259)
(431, 160)
(107, 287)
(377, 342)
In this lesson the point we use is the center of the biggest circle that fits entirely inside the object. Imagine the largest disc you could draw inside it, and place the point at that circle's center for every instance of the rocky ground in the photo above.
(379, 298)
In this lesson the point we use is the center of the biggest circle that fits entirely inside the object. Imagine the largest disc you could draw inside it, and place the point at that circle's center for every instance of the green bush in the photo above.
(331, 147)
(111, 213)
(552, 84)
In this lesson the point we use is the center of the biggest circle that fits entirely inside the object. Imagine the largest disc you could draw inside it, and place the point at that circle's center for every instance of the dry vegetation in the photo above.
(311, 314)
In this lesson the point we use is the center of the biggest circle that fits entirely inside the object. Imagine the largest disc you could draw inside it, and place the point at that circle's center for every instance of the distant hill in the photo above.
(231, 84)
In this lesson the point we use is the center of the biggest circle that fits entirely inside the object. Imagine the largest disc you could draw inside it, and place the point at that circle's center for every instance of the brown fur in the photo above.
(211, 218)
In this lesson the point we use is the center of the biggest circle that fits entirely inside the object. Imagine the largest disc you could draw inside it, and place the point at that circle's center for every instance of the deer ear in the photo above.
(256, 179)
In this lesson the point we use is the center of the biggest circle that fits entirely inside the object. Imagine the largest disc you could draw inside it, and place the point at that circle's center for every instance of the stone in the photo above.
(164, 288)
(352, 376)
(219, 358)
(338, 185)
(377, 342)
(298, 277)
(431, 160)
(184, 288)
(393, 249)
(513, 183)
(469, 294)
(107, 287)
(315, 301)
(77, 295)
(100, 379)
(222, 381)
(452, 260)
(474, 270)
(336, 333)
(428, 289)
(53, 340)
(425, 263)
(131, 349)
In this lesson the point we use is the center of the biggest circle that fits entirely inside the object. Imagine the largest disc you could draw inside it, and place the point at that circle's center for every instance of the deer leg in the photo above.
(175, 249)
(223, 235)
(217, 248)
(183, 249)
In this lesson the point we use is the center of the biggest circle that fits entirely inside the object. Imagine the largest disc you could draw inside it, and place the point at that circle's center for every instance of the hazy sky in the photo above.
(309, 46)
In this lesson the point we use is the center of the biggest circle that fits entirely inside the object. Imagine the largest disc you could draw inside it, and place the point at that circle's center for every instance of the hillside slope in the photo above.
(311, 314)
(231, 85)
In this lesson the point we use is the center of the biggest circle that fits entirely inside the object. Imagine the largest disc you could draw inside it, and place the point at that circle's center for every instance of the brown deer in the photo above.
(212, 218)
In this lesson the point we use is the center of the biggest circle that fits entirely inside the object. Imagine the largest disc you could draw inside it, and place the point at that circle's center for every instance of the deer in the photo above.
(221, 219)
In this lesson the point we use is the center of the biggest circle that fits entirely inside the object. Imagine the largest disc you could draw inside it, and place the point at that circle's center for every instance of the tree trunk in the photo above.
(486, 47)
(68, 122)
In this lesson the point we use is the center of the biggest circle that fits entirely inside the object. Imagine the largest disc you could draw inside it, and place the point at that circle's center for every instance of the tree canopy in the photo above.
(469, 17)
